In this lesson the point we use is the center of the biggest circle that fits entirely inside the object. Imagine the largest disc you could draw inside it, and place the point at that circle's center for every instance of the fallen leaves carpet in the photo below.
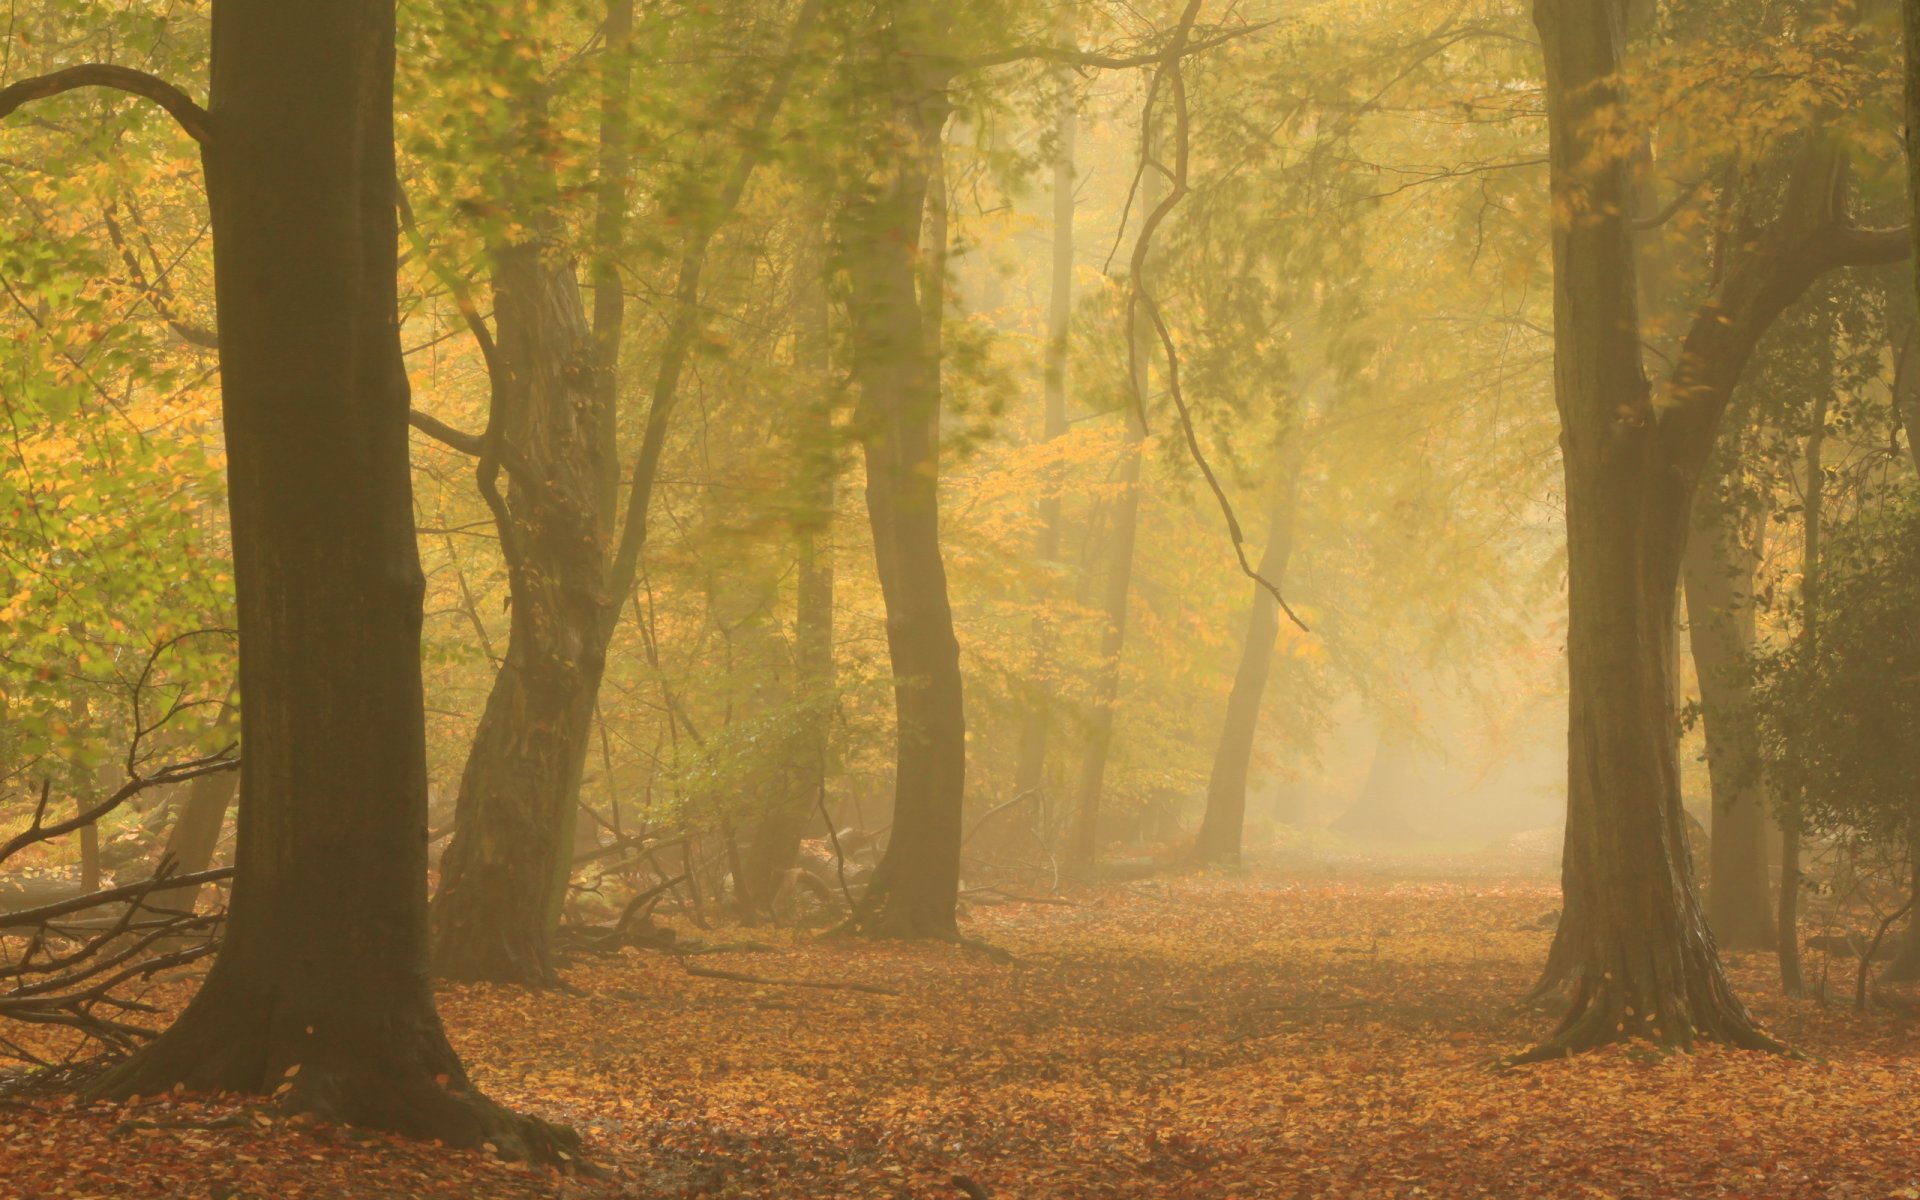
(1194, 1037)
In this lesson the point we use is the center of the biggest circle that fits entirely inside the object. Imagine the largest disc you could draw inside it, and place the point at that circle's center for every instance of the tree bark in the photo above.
(1906, 392)
(1632, 938)
(1718, 578)
(321, 982)
(776, 839)
(522, 775)
(1083, 846)
(552, 420)
(196, 829)
(915, 889)
(1083, 843)
(1036, 725)
(1225, 818)
(1812, 515)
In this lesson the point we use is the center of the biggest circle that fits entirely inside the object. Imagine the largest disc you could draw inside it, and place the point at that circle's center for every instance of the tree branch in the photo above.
(1070, 56)
(440, 431)
(181, 107)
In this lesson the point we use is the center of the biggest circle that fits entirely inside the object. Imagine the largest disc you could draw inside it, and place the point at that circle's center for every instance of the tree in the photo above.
(1036, 723)
(1225, 817)
(1123, 525)
(1633, 939)
(1836, 704)
(552, 424)
(903, 82)
(320, 985)
(1723, 551)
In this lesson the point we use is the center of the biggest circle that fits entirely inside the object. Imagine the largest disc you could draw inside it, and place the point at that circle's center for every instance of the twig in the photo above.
(995, 811)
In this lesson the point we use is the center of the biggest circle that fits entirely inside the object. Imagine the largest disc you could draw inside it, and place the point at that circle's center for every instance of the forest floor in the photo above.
(1309, 1031)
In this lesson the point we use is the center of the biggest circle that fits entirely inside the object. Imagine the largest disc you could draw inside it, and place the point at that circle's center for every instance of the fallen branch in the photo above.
(872, 989)
(1015, 898)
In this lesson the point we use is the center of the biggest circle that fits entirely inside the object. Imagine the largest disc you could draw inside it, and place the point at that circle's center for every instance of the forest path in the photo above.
(1270, 1034)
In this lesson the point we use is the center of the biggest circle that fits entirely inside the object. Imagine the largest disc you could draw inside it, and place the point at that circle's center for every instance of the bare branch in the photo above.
(181, 107)
(1070, 56)
(1139, 299)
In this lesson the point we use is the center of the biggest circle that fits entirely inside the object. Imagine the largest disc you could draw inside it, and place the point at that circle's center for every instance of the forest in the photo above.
(959, 599)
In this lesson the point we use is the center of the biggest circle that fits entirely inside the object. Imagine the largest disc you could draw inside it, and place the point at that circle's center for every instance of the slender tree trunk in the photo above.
(321, 983)
(1083, 847)
(915, 889)
(1906, 392)
(1083, 843)
(776, 840)
(196, 829)
(1906, 966)
(1379, 813)
(1036, 726)
(1225, 818)
(1718, 577)
(1791, 980)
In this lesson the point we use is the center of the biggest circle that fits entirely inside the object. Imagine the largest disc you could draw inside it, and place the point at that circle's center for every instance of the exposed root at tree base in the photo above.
(387, 1072)
(1599, 1017)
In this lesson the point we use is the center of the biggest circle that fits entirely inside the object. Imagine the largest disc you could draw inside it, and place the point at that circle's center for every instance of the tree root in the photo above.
(1600, 1016)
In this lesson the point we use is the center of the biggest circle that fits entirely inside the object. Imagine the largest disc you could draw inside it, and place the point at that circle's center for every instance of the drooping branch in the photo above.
(1140, 300)
(190, 116)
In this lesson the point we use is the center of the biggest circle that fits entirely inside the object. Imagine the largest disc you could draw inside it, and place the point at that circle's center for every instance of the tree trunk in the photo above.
(1225, 817)
(1083, 846)
(522, 776)
(1791, 980)
(1633, 938)
(1906, 392)
(915, 889)
(1379, 813)
(554, 387)
(321, 982)
(1036, 725)
(776, 840)
(1718, 576)
(1083, 843)
(196, 829)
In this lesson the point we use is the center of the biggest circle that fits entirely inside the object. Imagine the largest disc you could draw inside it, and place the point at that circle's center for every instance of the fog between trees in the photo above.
(502, 495)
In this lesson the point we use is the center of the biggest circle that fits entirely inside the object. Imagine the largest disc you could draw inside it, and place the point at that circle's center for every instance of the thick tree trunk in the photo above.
(1225, 818)
(321, 983)
(522, 777)
(1036, 726)
(915, 889)
(1910, 18)
(1718, 576)
(1633, 938)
